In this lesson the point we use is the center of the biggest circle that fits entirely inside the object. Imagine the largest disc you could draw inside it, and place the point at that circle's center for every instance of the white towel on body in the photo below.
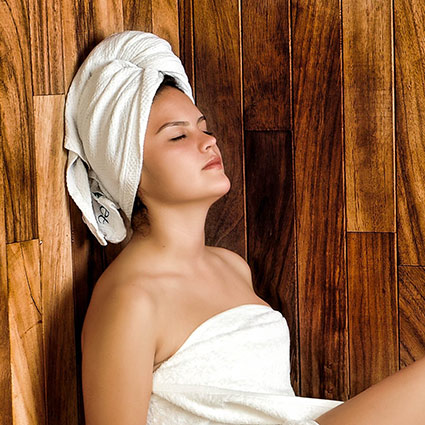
(233, 369)
(106, 113)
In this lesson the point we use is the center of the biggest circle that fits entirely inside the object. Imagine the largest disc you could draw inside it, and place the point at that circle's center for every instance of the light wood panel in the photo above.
(368, 115)
(165, 21)
(409, 18)
(85, 24)
(26, 332)
(373, 318)
(55, 262)
(319, 198)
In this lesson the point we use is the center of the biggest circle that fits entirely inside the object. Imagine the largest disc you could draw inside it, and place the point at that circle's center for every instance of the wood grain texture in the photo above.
(412, 314)
(410, 123)
(56, 262)
(372, 318)
(137, 15)
(88, 261)
(319, 199)
(17, 130)
(46, 47)
(26, 332)
(165, 22)
(266, 65)
(218, 96)
(186, 40)
(368, 115)
(5, 366)
(107, 17)
(85, 24)
(271, 229)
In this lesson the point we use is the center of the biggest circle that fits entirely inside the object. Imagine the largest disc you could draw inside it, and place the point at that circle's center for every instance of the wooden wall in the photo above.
(319, 108)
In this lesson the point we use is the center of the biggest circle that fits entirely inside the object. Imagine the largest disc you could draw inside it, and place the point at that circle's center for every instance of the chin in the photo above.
(223, 188)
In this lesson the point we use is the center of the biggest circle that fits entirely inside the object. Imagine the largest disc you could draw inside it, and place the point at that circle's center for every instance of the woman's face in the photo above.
(177, 147)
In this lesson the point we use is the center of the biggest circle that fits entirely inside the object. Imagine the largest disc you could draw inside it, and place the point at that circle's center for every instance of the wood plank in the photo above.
(17, 130)
(271, 228)
(368, 115)
(137, 15)
(412, 314)
(319, 198)
(266, 65)
(107, 17)
(56, 262)
(46, 47)
(373, 318)
(165, 22)
(186, 39)
(85, 23)
(410, 121)
(80, 37)
(218, 95)
(26, 332)
(5, 368)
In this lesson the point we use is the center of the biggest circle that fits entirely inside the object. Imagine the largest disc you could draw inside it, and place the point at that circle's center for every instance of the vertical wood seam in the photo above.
(294, 189)
(344, 180)
(394, 118)
(241, 105)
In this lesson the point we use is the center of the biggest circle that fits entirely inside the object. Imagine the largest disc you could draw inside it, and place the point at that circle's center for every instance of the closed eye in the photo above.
(179, 137)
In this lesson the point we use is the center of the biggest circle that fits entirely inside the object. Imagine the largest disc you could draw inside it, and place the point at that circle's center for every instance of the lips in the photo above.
(214, 161)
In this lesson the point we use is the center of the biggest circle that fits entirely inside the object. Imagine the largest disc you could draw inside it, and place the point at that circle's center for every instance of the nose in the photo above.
(208, 140)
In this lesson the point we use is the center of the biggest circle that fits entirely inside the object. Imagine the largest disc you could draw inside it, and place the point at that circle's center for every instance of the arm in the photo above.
(118, 357)
(398, 399)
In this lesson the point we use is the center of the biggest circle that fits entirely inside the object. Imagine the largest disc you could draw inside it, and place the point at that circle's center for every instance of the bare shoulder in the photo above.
(119, 341)
(124, 301)
(235, 261)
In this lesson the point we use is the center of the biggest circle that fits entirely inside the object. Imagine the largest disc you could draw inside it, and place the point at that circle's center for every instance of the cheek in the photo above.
(171, 167)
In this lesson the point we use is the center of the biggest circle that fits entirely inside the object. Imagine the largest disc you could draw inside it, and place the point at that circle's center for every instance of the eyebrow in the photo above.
(177, 123)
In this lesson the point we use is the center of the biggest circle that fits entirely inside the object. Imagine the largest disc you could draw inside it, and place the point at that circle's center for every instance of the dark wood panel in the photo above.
(218, 95)
(372, 318)
(46, 47)
(266, 65)
(319, 198)
(410, 123)
(5, 368)
(412, 314)
(137, 15)
(271, 229)
(186, 39)
(17, 132)
(368, 115)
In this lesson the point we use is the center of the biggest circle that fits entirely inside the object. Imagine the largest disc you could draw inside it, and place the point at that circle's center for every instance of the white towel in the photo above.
(106, 113)
(233, 369)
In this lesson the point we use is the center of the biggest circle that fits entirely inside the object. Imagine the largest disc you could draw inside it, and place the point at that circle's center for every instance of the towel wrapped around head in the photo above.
(106, 113)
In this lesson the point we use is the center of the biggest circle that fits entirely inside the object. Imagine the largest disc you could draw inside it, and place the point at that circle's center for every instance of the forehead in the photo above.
(170, 103)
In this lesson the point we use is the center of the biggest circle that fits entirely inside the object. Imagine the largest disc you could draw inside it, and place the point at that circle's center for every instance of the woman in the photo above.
(168, 295)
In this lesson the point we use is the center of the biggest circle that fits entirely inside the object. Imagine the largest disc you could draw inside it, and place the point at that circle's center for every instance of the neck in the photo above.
(176, 236)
